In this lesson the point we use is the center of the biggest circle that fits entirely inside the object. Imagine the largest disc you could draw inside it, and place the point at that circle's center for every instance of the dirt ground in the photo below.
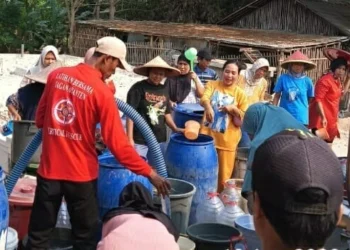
(340, 146)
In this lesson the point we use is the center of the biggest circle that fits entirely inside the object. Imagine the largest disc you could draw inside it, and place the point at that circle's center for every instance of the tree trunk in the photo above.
(98, 9)
(71, 31)
(111, 9)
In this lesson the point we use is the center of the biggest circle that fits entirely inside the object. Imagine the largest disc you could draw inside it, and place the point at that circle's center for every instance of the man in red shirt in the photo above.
(74, 101)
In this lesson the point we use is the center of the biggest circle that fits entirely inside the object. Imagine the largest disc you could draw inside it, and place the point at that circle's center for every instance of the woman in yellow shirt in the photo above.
(254, 85)
(225, 104)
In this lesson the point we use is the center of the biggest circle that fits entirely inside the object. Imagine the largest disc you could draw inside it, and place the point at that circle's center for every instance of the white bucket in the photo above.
(12, 239)
(186, 244)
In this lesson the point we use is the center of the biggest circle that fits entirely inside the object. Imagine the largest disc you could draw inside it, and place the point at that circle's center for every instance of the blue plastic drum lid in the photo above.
(4, 211)
(194, 109)
(185, 112)
(196, 162)
(113, 177)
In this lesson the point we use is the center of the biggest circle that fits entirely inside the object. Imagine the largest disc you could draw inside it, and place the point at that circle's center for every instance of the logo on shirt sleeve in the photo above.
(64, 112)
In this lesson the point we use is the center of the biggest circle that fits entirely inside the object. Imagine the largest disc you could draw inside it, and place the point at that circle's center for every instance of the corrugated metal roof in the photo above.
(215, 33)
(336, 12)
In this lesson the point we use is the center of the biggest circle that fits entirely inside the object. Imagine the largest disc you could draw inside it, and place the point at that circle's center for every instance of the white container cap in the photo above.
(12, 239)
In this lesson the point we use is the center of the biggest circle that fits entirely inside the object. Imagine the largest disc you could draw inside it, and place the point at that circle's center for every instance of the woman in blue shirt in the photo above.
(294, 89)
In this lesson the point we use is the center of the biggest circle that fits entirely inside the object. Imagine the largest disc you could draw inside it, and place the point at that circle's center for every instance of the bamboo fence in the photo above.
(142, 52)
(316, 55)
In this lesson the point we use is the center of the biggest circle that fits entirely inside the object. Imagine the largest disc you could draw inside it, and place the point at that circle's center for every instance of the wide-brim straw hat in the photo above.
(42, 75)
(333, 53)
(298, 57)
(157, 62)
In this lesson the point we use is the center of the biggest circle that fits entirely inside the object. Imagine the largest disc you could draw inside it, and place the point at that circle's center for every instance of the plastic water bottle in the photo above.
(63, 220)
(209, 210)
(231, 212)
(230, 192)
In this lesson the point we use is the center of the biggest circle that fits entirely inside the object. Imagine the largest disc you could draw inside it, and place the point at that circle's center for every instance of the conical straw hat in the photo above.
(333, 53)
(157, 62)
(42, 75)
(298, 57)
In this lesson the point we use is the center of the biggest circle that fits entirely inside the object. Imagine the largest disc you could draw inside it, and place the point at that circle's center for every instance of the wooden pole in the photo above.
(280, 60)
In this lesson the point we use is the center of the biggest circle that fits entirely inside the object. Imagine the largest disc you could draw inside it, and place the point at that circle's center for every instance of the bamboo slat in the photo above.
(286, 15)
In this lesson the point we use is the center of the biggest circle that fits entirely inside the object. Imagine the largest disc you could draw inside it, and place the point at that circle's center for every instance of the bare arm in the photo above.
(198, 83)
(321, 90)
(199, 88)
(321, 113)
(205, 101)
(320, 110)
(276, 99)
(13, 111)
(171, 124)
(130, 130)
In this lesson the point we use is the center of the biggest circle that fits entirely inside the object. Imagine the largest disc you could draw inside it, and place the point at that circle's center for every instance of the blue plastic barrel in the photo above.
(4, 211)
(112, 178)
(196, 162)
(184, 112)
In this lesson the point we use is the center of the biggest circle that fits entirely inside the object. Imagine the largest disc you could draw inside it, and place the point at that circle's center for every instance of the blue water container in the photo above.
(4, 211)
(112, 178)
(7, 129)
(196, 162)
(184, 112)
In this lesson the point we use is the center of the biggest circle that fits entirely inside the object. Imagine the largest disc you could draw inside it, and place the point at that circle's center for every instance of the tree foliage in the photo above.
(194, 11)
(34, 23)
(37, 23)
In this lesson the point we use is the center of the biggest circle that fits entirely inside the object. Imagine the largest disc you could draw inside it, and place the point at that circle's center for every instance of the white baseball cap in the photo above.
(115, 47)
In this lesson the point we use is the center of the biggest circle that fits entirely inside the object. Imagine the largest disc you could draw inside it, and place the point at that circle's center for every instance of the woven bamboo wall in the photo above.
(85, 37)
(286, 15)
(138, 52)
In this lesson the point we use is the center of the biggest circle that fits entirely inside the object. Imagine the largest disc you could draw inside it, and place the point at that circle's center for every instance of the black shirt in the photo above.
(152, 103)
(28, 100)
(179, 87)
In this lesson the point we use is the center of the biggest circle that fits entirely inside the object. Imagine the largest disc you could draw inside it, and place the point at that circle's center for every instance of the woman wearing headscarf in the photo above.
(225, 104)
(137, 223)
(185, 88)
(294, 88)
(49, 55)
(254, 86)
(28, 97)
(261, 121)
(324, 109)
(151, 100)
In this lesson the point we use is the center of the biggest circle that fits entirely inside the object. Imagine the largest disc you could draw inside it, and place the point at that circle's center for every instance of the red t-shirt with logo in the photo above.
(74, 101)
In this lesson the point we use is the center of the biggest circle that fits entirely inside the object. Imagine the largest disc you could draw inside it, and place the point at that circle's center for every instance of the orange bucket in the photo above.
(192, 130)
(21, 203)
